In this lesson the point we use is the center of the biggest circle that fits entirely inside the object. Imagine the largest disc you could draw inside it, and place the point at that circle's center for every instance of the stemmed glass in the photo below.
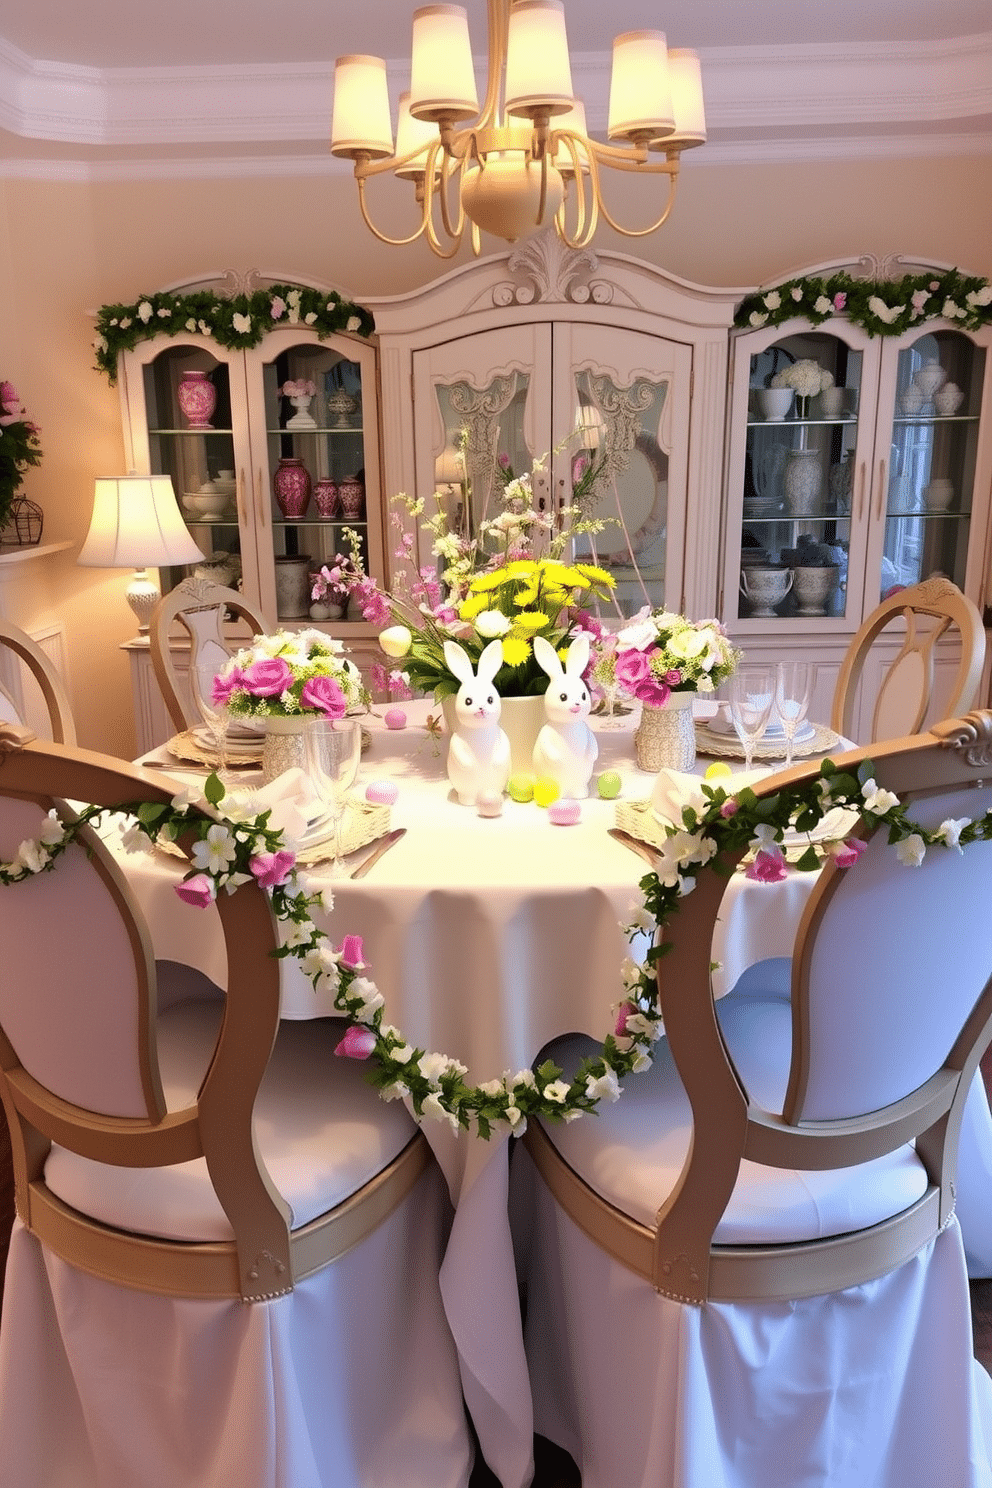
(792, 688)
(752, 693)
(214, 715)
(333, 749)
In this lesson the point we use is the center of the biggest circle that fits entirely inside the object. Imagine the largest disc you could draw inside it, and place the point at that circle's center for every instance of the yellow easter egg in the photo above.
(521, 787)
(546, 791)
(717, 769)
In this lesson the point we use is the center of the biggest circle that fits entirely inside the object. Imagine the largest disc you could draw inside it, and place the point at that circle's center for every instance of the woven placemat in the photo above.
(728, 746)
(186, 746)
(364, 822)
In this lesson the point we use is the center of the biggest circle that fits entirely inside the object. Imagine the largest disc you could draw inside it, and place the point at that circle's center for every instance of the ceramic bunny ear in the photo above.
(578, 655)
(547, 658)
(458, 660)
(490, 661)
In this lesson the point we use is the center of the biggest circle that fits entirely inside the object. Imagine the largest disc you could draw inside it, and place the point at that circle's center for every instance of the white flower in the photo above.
(214, 852)
(513, 1115)
(402, 1053)
(951, 829)
(144, 311)
(649, 1028)
(434, 1067)
(133, 840)
(556, 1092)
(353, 324)
(434, 1108)
(52, 831)
(492, 1087)
(911, 850)
(773, 299)
(396, 1091)
(637, 636)
(756, 318)
(604, 1087)
(370, 999)
(952, 310)
(796, 292)
(878, 802)
(191, 324)
(310, 318)
(979, 297)
(492, 623)
(396, 641)
(642, 1060)
(241, 323)
(320, 960)
(524, 1077)
(822, 305)
(883, 311)
(32, 856)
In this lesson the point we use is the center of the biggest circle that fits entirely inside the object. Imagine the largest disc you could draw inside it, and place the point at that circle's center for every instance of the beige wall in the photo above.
(65, 249)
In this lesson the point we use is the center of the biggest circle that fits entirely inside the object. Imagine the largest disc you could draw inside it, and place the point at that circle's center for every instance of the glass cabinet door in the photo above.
(929, 486)
(798, 553)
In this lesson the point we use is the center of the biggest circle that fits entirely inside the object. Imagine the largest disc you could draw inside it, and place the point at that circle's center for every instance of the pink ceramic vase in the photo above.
(292, 487)
(352, 494)
(197, 399)
(325, 497)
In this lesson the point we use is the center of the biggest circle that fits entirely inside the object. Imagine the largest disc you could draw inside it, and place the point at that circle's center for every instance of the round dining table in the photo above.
(488, 937)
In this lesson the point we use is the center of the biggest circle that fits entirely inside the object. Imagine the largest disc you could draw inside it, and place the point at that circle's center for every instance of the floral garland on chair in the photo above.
(232, 848)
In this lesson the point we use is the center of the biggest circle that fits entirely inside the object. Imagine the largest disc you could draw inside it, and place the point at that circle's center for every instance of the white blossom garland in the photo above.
(881, 307)
(230, 848)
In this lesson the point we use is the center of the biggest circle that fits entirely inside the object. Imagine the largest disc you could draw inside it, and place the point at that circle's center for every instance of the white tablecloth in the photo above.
(487, 938)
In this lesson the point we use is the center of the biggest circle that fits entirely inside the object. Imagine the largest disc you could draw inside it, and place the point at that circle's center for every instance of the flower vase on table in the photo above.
(665, 738)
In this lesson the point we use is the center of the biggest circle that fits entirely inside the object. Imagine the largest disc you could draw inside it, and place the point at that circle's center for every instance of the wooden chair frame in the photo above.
(677, 1254)
(265, 1257)
(192, 594)
(52, 687)
(937, 599)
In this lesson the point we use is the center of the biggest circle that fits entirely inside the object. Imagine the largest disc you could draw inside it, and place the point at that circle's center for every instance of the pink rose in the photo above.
(324, 694)
(768, 866)
(224, 686)
(8, 393)
(267, 678)
(631, 668)
(272, 869)
(846, 854)
(840, 299)
(278, 307)
(199, 890)
(352, 953)
(653, 690)
(623, 1013)
(674, 677)
(358, 1043)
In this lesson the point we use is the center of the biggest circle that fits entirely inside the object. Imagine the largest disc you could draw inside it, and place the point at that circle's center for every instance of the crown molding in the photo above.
(764, 104)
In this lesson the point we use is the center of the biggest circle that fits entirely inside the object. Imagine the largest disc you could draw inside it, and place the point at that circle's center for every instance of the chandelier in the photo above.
(524, 159)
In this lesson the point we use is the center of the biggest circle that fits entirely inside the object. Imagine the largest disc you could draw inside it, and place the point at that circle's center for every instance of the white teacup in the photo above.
(938, 495)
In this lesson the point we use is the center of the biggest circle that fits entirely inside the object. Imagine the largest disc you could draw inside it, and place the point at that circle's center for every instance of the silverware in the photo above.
(640, 848)
(390, 840)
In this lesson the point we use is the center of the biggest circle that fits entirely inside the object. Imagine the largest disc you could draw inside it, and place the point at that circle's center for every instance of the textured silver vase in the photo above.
(666, 734)
(803, 481)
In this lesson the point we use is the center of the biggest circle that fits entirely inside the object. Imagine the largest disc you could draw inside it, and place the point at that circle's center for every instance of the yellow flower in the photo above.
(473, 605)
(531, 620)
(515, 651)
(484, 583)
(593, 575)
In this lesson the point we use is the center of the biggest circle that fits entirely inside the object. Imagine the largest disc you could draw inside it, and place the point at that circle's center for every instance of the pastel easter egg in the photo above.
(489, 803)
(564, 813)
(608, 785)
(521, 787)
(381, 792)
(546, 790)
(395, 718)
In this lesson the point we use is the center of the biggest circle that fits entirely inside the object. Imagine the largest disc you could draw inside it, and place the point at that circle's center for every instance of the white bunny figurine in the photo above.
(478, 751)
(566, 748)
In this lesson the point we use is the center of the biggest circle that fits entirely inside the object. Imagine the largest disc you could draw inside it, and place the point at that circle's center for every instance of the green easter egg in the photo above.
(521, 787)
(608, 785)
(546, 791)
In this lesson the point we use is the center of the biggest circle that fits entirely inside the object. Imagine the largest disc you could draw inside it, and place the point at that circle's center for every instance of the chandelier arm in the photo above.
(586, 222)
(642, 232)
(451, 167)
(433, 239)
(383, 237)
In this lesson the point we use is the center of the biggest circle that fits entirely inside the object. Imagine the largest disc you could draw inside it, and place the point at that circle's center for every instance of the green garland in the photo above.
(881, 307)
(228, 850)
(237, 323)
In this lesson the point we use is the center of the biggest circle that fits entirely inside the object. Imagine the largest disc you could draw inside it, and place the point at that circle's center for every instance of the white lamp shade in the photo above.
(590, 424)
(449, 467)
(360, 121)
(687, 99)
(640, 87)
(412, 134)
(538, 72)
(442, 77)
(575, 122)
(136, 523)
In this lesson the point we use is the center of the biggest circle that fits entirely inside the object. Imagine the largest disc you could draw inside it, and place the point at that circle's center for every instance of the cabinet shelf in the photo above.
(193, 433)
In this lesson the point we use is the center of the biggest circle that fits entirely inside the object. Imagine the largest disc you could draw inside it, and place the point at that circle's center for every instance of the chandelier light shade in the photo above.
(137, 524)
(523, 159)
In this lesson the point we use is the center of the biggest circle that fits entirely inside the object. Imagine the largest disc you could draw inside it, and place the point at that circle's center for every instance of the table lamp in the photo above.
(136, 522)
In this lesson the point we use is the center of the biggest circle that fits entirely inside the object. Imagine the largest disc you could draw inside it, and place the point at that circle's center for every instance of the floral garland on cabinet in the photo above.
(230, 848)
(881, 307)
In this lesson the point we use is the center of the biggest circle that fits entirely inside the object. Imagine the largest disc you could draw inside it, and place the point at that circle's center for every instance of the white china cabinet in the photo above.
(880, 482)
(577, 357)
(223, 466)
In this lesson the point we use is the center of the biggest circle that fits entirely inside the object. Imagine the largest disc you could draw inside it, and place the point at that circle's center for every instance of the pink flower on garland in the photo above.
(325, 696)
(840, 299)
(845, 854)
(623, 1013)
(272, 869)
(198, 890)
(358, 1043)
(352, 952)
(768, 866)
(267, 678)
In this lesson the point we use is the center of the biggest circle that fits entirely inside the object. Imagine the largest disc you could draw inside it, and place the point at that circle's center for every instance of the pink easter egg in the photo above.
(395, 718)
(381, 792)
(489, 803)
(564, 813)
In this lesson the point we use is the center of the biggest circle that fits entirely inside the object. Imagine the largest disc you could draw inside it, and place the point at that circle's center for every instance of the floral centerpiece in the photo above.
(509, 580)
(19, 449)
(290, 674)
(661, 656)
(806, 378)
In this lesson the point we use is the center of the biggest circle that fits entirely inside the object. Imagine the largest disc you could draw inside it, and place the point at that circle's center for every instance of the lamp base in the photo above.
(142, 594)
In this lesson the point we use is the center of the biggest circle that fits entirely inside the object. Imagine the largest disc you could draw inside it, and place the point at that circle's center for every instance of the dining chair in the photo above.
(201, 607)
(748, 1270)
(905, 702)
(53, 690)
(225, 1264)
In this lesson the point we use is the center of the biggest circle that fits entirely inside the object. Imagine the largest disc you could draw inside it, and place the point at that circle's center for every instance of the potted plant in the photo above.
(20, 519)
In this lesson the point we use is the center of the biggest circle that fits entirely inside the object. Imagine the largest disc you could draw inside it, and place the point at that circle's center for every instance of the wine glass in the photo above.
(214, 715)
(752, 693)
(792, 688)
(333, 748)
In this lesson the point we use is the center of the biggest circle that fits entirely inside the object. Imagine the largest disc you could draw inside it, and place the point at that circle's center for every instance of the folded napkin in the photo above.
(295, 806)
(674, 791)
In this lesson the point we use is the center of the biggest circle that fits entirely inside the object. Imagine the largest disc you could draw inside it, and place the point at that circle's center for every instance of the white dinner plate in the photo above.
(722, 724)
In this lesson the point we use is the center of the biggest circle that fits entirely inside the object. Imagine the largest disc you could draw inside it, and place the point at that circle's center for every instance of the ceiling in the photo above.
(238, 85)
